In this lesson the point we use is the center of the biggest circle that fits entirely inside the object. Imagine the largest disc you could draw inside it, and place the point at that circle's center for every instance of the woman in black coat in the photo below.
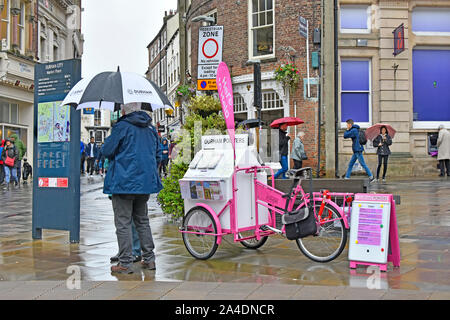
(382, 142)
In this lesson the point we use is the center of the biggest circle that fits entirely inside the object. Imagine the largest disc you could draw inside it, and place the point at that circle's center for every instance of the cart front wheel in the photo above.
(330, 241)
(200, 236)
(252, 243)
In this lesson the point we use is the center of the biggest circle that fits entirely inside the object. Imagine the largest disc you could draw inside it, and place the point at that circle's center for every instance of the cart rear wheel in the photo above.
(201, 246)
(252, 243)
(332, 238)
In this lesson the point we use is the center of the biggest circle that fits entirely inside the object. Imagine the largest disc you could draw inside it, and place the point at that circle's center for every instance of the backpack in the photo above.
(362, 137)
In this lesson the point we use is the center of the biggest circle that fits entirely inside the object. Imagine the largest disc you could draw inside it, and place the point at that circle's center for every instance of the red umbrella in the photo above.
(290, 121)
(374, 130)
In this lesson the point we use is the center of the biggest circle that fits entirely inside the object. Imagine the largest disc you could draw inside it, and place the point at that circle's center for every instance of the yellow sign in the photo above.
(206, 84)
(177, 104)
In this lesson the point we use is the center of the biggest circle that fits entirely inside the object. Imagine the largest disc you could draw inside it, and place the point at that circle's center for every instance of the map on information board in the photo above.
(53, 122)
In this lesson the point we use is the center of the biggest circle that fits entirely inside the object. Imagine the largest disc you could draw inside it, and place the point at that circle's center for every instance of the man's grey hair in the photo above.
(131, 107)
(441, 127)
(300, 134)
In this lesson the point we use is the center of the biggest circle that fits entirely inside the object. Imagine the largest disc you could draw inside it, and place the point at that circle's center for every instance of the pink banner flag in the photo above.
(225, 89)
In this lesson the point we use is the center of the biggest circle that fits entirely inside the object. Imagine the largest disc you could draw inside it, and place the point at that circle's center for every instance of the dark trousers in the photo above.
(2, 173)
(444, 164)
(384, 160)
(163, 166)
(19, 170)
(298, 164)
(90, 165)
(83, 159)
(128, 208)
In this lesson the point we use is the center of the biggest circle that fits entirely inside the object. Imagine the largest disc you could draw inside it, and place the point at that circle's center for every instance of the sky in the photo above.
(117, 32)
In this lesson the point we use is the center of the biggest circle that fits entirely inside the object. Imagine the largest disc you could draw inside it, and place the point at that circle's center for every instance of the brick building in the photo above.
(261, 30)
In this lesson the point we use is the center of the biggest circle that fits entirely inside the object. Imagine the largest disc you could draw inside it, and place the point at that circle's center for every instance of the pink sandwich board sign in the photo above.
(373, 231)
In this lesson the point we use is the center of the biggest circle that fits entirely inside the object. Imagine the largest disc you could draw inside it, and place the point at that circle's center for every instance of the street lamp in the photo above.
(210, 20)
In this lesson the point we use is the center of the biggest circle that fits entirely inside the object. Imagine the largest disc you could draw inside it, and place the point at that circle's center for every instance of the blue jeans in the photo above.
(359, 156)
(8, 172)
(136, 243)
(284, 168)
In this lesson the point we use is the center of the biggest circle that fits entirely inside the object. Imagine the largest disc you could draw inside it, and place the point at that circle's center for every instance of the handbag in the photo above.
(10, 161)
(300, 223)
(304, 156)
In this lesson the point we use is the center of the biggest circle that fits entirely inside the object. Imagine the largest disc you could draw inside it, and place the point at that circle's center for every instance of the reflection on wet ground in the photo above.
(423, 220)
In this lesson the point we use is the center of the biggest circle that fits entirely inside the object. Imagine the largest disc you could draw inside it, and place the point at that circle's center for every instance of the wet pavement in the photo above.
(424, 227)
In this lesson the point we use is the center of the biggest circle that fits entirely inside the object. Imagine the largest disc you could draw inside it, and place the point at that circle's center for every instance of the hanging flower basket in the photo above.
(288, 75)
(185, 93)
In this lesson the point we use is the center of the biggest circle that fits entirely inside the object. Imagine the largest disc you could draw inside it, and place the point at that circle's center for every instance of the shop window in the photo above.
(431, 21)
(355, 19)
(271, 100)
(431, 80)
(261, 28)
(355, 91)
(239, 104)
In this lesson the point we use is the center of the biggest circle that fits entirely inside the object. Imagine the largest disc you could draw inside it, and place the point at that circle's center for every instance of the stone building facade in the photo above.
(268, 31)
(408, 90)
(32, 31)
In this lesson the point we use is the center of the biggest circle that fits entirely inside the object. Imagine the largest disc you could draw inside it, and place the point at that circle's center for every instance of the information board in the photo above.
(56, 187)
(369, 229)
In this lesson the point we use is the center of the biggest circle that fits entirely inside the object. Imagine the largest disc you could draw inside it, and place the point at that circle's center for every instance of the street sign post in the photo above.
(304, 32)
(56, 189)
(210, 45)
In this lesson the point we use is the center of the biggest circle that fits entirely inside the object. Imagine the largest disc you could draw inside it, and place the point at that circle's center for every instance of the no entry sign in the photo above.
(210, 44)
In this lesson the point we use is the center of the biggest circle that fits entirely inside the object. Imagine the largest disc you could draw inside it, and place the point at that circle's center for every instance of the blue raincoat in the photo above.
(133, 152)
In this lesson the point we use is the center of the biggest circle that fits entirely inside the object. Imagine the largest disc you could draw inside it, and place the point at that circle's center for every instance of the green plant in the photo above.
(170, 197)
(204, 109)
(288, 75)
(185, 92)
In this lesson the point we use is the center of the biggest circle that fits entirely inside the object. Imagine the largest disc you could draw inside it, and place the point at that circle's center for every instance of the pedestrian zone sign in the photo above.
(210, 45)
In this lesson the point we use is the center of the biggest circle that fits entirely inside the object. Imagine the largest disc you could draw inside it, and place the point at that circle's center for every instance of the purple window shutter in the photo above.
(355, 75)
(353, 17)
(355, 106)
(431, 20)
(431, 83)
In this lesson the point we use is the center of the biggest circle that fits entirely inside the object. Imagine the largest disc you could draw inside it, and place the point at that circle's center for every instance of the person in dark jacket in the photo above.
(132, 149)
(83, 156)
(164, 157)
(91, 155)
(10, 151)
(2, 168)
(382, 143)
(284, 147)
(353, 133)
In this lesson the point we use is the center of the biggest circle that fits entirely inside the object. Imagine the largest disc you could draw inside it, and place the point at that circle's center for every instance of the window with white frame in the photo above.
(21, 28)
(261, 28)
(431, 21)
(355, 19)
(97, 118)
(271, 100)
(5, 24)
(239, 104)
(9, 112)
(356, 91)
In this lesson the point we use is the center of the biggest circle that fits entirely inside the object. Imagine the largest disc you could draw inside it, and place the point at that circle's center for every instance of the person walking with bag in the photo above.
(443, 144)
(283, 147)
(298, 151)
(92, 155)
(353, 133)
(10, 157)
(382, 142)
(132, 149)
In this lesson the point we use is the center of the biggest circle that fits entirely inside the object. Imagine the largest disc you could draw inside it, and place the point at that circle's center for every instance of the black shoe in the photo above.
(441, 175)
(115, 258)
(137, 258)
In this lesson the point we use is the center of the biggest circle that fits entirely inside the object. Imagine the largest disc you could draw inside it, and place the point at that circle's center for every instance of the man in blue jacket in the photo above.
(132, 149)
(91, 155)
(353, 133)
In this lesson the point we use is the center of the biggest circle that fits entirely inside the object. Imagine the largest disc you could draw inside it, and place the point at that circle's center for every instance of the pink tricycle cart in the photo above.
(223, 197)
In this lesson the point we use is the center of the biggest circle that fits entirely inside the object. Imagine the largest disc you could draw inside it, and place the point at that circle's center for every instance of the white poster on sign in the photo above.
(210, 44)
(207, 71)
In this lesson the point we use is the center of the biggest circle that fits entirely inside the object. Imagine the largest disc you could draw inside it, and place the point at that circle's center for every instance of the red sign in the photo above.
(53, 182)
(399, 39)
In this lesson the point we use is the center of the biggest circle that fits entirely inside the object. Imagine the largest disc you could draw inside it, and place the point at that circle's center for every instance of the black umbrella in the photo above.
(250, 123)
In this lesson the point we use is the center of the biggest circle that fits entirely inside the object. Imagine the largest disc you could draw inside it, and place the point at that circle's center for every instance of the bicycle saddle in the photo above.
(298, 173)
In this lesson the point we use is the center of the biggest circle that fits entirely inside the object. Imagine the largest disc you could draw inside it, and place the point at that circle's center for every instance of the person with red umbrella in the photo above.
(282, 125)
